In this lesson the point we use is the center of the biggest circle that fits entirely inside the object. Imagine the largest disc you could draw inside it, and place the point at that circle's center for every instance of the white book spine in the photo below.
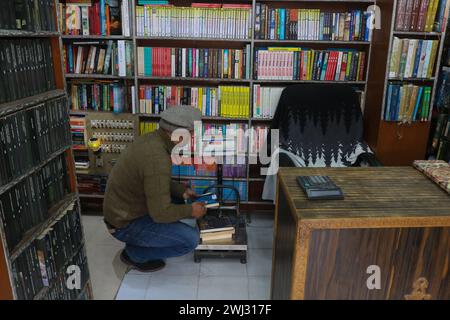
(121, 58)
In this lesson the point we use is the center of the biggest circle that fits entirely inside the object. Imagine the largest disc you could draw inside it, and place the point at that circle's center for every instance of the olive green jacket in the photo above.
(140, 183)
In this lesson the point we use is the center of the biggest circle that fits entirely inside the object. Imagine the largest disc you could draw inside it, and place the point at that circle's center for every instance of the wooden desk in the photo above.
(392, 217)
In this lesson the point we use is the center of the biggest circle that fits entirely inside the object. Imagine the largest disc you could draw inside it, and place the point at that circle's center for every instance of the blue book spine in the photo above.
(397, 103)
(103, 17)
(208, 104)
(388, 103)
(416, 107)
(321, 26)
(324, 66)
(70, 57)
(282, 22)
(417, 58)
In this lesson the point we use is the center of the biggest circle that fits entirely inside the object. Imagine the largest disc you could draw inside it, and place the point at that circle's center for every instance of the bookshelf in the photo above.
(40, 195)
(396, 142)
(254, 181)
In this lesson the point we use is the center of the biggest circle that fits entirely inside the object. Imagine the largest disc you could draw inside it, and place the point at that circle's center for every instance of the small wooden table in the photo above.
(394, 222)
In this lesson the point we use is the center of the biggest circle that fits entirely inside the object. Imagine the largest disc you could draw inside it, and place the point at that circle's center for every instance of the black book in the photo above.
(320, 188)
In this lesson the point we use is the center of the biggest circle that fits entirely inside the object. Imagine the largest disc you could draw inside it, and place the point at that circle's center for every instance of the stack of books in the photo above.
(91, 184)
(407, 103)
(265, 101)
(307, 64)
(26, 68)
(95, 17)
(223, 101)
(201, 20)
(412, 58)
(421, 15)
(194, 62)
(100, 57)
(78, 131)
(311, 24)
(216, 230)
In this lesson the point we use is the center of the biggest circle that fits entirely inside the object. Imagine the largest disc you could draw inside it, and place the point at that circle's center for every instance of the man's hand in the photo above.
(198, 209)
(189, 194)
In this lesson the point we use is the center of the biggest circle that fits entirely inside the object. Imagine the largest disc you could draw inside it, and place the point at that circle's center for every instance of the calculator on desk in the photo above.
(320, 188)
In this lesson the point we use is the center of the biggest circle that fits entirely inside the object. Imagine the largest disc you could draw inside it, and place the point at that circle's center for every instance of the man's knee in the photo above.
(192, 238)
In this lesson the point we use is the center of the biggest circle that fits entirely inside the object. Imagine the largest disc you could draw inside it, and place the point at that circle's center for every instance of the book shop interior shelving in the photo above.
(20, 273)
(253, 179)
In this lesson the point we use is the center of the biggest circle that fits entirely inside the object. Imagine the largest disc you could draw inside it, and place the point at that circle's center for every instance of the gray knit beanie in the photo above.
(179, 117)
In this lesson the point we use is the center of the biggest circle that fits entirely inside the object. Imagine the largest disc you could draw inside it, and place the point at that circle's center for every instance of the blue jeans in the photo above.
(147, 240)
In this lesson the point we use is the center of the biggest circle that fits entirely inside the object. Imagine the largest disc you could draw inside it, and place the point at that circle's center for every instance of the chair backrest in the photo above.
(321, 123)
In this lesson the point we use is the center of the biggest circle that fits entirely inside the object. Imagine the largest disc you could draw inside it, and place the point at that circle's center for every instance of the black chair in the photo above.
(323, 125)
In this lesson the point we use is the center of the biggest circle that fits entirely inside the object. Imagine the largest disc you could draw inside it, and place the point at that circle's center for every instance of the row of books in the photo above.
(201, 20)
(407, 102)
(100, 57)
(421, 15)
(29, 137)
(209, 170)
(311, 24)
(26, 68)
(147, 127)
(194, 62)
(42, 263)
(102, 17)
(27, 203)
(223, 101)
(307, 64)
(99, 96)
(441, 137)
(258, 136)
(221, 139)
(265, 101)
(412, 58)
(28, 15)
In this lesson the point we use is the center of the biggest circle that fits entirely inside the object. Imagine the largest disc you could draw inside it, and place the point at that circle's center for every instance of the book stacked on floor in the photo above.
(407, 102)
(147, 127)
(224, 101)
(311, 24)
(27, 15)
(100, 57)
(201, 20)
(29, 137)
(421, 15)
(26, 204)
(26, 68)
(96, 17)
(216, 230)
(308, 64)
(106, 96)
(412, 58)
(42, 264)
(437, 170)
(265, 101)
(194, 62)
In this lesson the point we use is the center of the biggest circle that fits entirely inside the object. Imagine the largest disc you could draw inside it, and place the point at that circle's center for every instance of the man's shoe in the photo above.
(149, 266)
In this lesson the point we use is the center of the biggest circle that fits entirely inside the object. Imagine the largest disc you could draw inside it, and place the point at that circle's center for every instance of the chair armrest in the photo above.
(369, 158)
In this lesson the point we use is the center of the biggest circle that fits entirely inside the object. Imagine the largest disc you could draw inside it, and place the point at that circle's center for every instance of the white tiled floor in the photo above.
(182, 278)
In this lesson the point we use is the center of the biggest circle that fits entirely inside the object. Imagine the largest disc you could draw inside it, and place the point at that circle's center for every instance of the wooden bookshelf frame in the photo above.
(395, 143)
(329, 5)
(8, 255)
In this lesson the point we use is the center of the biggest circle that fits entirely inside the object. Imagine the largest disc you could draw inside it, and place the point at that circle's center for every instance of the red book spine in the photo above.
(168, 60)
(422, 15)
(361, 66)
(344, 67)
(329, 63)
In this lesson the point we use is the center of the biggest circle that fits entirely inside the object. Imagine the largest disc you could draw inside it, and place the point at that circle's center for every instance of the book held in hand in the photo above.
(210, 200)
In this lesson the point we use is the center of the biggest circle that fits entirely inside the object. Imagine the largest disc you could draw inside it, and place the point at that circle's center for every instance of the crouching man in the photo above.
(138, 208)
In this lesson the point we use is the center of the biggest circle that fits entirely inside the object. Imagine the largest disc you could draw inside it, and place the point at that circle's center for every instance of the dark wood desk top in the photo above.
(375, 192)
